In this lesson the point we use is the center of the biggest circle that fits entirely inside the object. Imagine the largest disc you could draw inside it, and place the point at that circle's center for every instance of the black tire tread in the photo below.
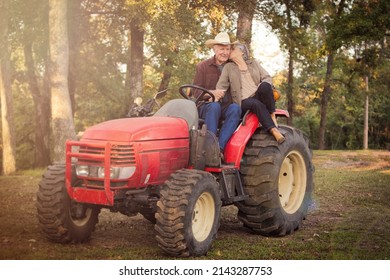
(171, 209)
(260, 168)
(52, 209)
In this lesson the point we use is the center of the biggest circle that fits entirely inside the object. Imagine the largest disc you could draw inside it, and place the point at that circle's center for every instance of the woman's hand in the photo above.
(218, 93)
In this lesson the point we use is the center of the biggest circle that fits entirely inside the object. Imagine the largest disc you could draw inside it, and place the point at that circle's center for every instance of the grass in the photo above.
(349, 219)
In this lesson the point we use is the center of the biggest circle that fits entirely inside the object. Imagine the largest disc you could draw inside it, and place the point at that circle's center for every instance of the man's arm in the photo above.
(199, 78)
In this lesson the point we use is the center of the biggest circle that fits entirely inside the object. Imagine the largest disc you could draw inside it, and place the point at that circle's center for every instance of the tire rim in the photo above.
(79, 214)
(203, 217)
(292, 182)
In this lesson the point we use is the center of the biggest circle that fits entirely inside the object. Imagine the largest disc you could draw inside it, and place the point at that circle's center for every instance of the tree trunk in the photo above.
(42, 112)
(74, 27)
(290, 86)
(366, 103)
(61, 109)
(291, 56)
(8, 129)
(324, 101)
(327, 86)
(134, 77)
(244, 22)
(167, 73)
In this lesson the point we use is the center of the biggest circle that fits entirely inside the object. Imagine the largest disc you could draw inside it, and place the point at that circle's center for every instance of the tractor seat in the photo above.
(180, 108)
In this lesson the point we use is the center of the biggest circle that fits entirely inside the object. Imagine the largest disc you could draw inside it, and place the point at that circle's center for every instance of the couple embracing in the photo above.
(238, 84)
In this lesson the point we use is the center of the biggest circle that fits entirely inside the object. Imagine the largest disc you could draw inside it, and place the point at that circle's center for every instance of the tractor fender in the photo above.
(235, 147)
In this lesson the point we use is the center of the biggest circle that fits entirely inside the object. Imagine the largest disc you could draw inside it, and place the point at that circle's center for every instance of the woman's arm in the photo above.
(223, 82)
(264, 75)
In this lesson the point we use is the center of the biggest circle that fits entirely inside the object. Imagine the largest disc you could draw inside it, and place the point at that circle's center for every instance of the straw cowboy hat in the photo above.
(222, 38)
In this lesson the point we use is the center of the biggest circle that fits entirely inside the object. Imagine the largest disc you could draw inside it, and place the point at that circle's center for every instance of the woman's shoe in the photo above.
(277, 135)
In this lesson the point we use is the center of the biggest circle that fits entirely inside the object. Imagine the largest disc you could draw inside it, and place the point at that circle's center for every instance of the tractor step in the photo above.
(232, 188)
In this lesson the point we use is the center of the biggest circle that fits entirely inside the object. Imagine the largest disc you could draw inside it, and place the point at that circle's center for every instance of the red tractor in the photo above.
(167, 167)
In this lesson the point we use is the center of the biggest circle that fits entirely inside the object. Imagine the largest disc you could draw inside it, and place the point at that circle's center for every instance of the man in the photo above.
(207, 75)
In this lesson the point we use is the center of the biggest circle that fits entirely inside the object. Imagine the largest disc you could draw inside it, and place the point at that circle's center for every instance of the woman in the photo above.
(251, 87)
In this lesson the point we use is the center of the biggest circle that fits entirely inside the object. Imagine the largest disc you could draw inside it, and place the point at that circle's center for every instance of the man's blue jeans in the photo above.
(212, 113)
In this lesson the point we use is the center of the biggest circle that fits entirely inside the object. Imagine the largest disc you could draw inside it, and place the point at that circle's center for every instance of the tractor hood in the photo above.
(138, 129)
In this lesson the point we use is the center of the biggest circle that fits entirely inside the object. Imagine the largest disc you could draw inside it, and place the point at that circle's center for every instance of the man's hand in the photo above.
(218, 93)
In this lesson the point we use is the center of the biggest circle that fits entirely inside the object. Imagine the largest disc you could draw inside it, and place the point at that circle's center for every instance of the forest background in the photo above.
(66, 65)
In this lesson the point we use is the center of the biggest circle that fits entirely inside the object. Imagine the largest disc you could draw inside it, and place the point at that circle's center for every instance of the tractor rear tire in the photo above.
(188, 213)
(279, 181)
(61, 219)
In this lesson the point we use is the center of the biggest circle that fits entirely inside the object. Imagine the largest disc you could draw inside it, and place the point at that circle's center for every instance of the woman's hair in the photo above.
(244, 50)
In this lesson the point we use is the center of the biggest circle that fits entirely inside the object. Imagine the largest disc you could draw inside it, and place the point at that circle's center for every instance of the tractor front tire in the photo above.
(279, 181)
(188, 213)
(61, 219)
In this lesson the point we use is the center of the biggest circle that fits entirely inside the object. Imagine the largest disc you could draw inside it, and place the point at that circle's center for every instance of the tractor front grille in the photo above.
(90, 161)
(120, 155)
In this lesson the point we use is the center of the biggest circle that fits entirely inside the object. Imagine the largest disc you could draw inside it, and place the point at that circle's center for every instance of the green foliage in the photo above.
(175, 32)
(346, 105)
(360, 52)
(367, 21)
(25, 126)
(175, 36)
(27, 26)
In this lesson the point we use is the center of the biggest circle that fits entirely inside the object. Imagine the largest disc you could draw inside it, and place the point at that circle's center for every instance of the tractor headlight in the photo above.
(118, 172)
(82, 170)
(102, 170)
(126, 172)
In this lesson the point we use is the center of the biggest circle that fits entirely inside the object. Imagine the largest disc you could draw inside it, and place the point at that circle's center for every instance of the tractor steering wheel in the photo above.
(200, 97)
